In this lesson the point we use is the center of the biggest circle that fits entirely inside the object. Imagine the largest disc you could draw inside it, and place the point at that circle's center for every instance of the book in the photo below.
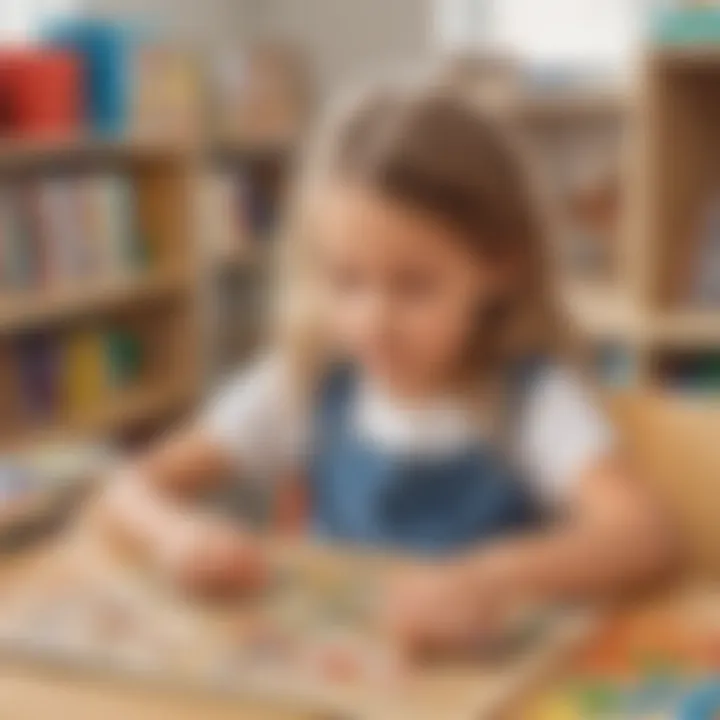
(38, 368)
(57, 230)
(167, 97)
(9, 390)
(23, 261)
(61, 232)
(128, 251)
(106, 49)
(41, 92)
(84, 372)
(124, 358)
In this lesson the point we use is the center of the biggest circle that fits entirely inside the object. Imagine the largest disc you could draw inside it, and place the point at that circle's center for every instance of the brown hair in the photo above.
(427, 147)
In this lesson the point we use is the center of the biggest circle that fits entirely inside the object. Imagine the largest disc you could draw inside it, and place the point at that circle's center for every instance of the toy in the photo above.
(660, 663)
(309, 639)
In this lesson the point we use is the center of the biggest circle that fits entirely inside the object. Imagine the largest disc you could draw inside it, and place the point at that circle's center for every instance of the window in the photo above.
(589, 34)
(20, 19)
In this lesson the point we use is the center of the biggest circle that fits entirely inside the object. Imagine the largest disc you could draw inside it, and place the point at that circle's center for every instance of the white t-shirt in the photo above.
(558, 435)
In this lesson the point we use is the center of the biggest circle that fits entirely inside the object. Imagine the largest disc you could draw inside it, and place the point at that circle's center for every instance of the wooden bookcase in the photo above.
(239, 273)
(157, 303)
(671, 175)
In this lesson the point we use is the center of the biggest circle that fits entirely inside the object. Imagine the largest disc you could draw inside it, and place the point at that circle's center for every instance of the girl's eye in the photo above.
(416, 284)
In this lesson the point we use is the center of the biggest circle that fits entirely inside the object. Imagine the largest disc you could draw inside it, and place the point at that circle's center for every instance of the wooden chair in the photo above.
(676, 443)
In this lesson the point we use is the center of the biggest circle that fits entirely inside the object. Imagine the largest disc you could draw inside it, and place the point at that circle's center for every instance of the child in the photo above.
(419, 393)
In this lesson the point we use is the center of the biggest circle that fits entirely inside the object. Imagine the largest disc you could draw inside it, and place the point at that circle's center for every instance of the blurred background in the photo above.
(145, 148)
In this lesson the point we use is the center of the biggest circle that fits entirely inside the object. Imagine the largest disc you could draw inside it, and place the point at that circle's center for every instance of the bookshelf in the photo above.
(114, 347)
(662, 307)
(244, 187)
(576, 138)
(27, 310)
(606, 313)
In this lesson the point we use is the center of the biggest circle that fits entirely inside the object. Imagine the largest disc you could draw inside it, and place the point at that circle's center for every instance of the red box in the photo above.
(40, 93)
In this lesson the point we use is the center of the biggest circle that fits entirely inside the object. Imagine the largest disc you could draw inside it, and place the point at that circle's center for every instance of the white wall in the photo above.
(204, 22)
(346, 39)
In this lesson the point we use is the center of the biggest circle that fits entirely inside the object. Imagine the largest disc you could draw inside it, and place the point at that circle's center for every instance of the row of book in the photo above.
(57, 231)
(616, 366)
(120, 77)
(48, 376)
(106, 77)
(691, 373)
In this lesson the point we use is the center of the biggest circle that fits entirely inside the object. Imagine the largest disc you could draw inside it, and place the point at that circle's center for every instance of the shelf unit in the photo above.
(672, 175)
(576, 138)
(236, 301)
(158, 304)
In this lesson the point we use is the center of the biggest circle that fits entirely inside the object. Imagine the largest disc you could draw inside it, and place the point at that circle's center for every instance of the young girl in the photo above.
(419, 395)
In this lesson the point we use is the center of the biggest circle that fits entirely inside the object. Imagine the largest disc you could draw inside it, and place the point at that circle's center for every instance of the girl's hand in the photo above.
(211, 557)
(443, 608)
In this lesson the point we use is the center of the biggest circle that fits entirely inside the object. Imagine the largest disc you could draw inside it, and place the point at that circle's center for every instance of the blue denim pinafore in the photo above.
(366, 495)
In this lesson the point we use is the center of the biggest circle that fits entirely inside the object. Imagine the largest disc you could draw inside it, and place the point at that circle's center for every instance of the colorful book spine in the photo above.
(84, 377)
(5, 242)
(22, 257)
(49, 377)
(58, 230)
(40, 92)
(124, 358)
(107, 49)
(125, 251)
(135, 250)
(38, 360)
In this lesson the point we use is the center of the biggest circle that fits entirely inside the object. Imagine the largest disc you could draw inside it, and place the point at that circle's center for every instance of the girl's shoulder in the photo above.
(561, 427)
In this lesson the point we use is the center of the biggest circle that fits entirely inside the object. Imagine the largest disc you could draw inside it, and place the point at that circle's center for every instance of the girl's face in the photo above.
(400, 291)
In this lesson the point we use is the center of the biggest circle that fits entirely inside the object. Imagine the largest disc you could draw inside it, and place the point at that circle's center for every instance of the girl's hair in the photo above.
(426, 146)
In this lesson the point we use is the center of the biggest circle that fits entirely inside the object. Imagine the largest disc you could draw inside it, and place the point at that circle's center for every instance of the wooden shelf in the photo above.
(122, 411)
(33, 308)
(603, 313)
(22, 151)
(570, 106)
(163, 173)
(690, 56)
(671, 179)
(687, 329)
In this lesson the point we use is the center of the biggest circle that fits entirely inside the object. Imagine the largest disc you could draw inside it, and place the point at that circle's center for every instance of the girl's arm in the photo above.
(147, 502)
(145, 510)
(614, 539)
(148, 507)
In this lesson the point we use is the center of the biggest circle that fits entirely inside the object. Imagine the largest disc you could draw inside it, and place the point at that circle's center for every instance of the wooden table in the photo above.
(31, 692)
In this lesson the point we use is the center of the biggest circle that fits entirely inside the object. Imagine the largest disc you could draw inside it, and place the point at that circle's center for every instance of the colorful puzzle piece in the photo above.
(657, 664)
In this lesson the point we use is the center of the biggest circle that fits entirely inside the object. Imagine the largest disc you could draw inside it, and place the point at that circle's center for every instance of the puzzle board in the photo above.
(659, 663)
(305, 643)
